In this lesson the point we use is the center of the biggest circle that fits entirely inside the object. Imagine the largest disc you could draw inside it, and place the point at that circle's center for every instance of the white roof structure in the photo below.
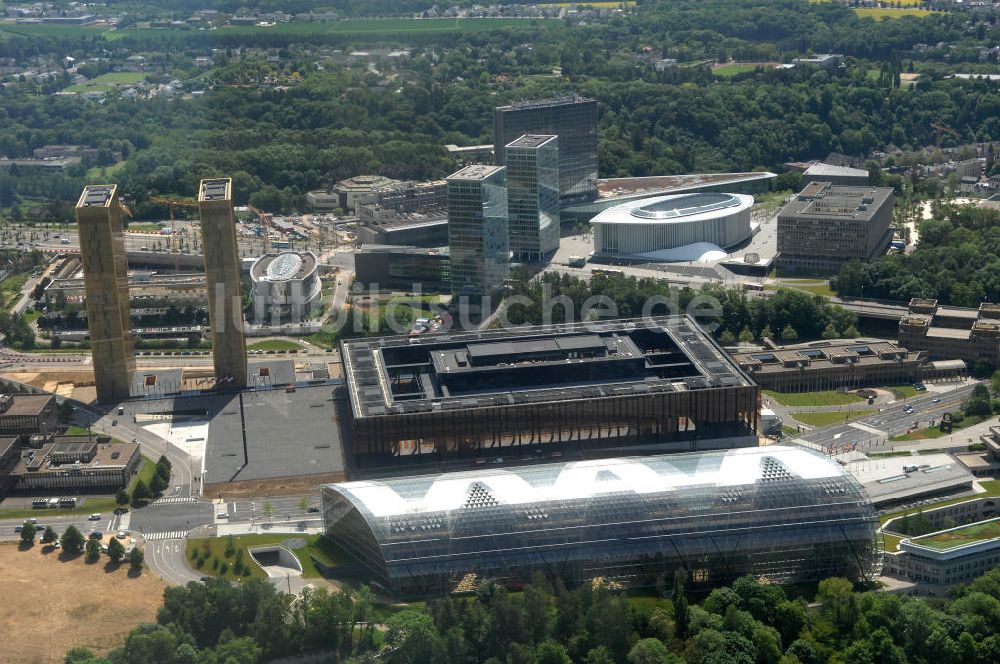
(585, 479)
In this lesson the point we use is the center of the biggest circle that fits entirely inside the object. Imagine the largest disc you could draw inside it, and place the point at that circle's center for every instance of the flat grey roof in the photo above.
(99, 195)
(475, 172)
(216, 189)
(531, 141)
(822, 168)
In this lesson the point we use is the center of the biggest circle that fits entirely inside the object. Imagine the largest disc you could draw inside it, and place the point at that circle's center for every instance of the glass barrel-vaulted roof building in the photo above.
(783, 514)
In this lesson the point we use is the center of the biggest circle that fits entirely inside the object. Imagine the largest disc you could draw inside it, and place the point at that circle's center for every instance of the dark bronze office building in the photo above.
(582, 390)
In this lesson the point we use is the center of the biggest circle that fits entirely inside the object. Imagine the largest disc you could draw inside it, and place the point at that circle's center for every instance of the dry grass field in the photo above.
(52, 604)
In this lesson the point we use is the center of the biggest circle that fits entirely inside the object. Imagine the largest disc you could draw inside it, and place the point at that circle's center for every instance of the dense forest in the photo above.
(335, 121)
(786, 315)
(748, 622)
(957, 261)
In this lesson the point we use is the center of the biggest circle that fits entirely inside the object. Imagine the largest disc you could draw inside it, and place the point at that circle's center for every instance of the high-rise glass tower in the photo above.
(533, 196)
(105, 278)
(222, 274)
(574, 120)
(477, 231)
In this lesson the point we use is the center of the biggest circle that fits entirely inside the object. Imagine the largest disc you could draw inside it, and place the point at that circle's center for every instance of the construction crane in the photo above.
(264, 219)
(941, 128)
(170, 203)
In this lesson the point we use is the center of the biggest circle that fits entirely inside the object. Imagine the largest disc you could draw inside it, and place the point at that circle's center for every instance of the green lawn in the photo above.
(992, 488)
(143, 228)
(902, 391)
(322, 339)
(974, 532)
(275, 344)
(824, 398)
(96, 172)
(935, 432)
(10, 288)
(826, 418)
(891, 542)
(211, 549)
(146, 472)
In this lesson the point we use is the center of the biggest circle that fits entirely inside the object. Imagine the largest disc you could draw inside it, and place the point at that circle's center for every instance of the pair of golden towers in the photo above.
(105, 273)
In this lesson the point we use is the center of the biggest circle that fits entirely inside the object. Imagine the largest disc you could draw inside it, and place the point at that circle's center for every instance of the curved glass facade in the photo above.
(782, 514)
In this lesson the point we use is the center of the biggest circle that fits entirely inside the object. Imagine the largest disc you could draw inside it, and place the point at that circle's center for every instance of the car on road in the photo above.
(223, 515)
(32, 520)
(94, 517)
(135, 440)
(18, 528)
(935, 400)
(313, 509)
(97, 534)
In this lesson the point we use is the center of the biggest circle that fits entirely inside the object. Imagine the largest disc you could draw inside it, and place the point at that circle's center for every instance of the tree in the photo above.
(163, 467)
(135, 558)
(303, 504)
(651, 651)
(157, 484)
(767, 333)
(830, 332)
(93, 549)
(550, 652)
(727, 338)
(851, 332)
(682, 615)
(28, 533)
(115, 550)
(268, 509)
(49, 535)
(72, 540)
(746, 336)
(141, 493)
(788, 333)
(412, 637)
(121, 498)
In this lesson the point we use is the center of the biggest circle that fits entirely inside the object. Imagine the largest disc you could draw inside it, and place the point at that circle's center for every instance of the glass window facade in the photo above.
(574, 120)
(782, 514)
(478, 241)
(533, 196)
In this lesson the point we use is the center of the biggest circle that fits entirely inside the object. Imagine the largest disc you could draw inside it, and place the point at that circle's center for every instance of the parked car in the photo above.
(121, 534)
(97, 534)
(94, 517)
(223, 515)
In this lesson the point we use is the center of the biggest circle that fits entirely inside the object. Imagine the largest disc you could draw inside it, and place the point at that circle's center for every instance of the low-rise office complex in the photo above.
(964, 544)
(778, 513)
(407, 268)
(826, 226)
(831, 365)
(25, 414)
(952, 332)
(407, 214)
(656, 384)
(286, 286)
(75, 463)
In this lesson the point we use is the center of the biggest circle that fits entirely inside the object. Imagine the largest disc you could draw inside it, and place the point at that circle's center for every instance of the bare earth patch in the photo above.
(51, 605)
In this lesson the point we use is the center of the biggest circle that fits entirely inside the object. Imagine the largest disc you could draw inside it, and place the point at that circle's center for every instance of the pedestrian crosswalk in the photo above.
(173, 534)
(174, 499)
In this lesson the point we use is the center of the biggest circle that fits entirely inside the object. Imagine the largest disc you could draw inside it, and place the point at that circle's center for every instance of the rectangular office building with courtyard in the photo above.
(581, 390)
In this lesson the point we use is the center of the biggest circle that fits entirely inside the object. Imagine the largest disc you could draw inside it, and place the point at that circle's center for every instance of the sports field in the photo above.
(974, 532)
(108, 82)
(52, 604)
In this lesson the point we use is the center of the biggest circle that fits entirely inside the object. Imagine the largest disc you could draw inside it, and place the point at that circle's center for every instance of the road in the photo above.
(874, 430)
(109, 523)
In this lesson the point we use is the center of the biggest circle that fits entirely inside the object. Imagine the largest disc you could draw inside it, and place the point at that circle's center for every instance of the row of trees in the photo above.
(74, 543)
(786, 315)
(748, 622)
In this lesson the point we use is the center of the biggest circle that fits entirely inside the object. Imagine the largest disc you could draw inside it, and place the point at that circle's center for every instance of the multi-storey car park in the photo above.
(583, 389)
(782, 514)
